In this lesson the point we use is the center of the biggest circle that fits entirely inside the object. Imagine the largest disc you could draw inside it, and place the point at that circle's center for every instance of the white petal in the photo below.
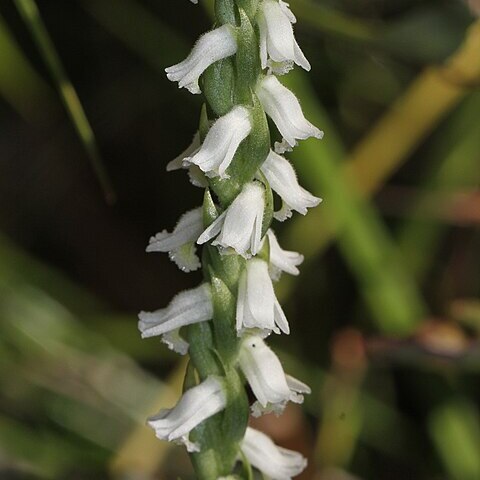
(276, 462)
(264, 372)
(257, 305)
(188, 228)
(210, 47)
(283, 180)
(180, 244)
(240, 226)
(222, 141)
(277, 40)
(284, 109)
(175, 341)
(195, 406)
(187, 307)
(282, 260)
(286, 10)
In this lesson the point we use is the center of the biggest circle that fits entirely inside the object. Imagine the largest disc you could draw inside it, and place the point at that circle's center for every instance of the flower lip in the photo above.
(257, 306)
(284, 109)
(210, 47)
(279, 49)
(195, 406)
(240, 226)
(283, 180)
(180, 244)
(274, 461)
(222, 142)
(187, 307)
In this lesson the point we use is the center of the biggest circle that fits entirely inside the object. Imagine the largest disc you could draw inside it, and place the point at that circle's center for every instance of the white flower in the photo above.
(276, 462)
(283, 180)
(197, 178)
(195, 406)
(284, 109)
(187, 307)
(221, 142)
(265, 375)
(240, 225)
(180, 244)
(282, 260)
(257, 305)
(210, 47)
(277, 40)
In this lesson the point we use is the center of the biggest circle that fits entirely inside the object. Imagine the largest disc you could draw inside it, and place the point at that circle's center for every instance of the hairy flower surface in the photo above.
(283, 180)
(195, 406)
(180, 244)
(257, 305)
(283, 108)
(240, 226)
(276, 462)
(277, 41)
(221, 143)
(210, 47)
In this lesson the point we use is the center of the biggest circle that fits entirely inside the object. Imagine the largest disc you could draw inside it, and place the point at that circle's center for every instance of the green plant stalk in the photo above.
(29, 11)
(214, 345)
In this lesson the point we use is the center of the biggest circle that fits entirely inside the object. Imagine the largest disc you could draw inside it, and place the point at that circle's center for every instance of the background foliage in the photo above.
(387, 307)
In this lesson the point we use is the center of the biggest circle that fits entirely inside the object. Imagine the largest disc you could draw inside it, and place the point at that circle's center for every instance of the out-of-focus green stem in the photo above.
(29, 11)
(456, 167)
(366, 245)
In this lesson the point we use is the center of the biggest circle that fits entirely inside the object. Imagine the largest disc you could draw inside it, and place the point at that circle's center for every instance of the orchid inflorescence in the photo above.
(223, 323)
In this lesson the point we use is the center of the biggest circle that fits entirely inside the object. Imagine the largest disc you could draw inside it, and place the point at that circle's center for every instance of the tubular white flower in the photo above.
(282, 260)
(187, 307)
(180, 244)
(277, 40)
(276, 462)
(196, 176)
(265, 375)
(221, 142)
(195, 406)
(257, 305)
(210, 47)
(283, 180)
(240, 226)
(284, 109)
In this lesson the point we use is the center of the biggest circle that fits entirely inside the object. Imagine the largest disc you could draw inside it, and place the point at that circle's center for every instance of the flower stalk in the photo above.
(222, 324)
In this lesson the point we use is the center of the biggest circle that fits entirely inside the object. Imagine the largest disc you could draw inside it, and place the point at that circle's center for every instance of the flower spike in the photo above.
(210, 48)
(221, 142)
(284, 109)
(276, 462)
(283, 180)
(278, 48)
(257, 305)
(195, 406)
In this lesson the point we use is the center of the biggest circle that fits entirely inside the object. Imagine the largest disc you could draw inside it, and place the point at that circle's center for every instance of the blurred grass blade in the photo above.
(20, 84)
(456, 168)
(29, 11)
(455, 430)
(435, 93)
(139, 29)
(330, 21)
(390, 293)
